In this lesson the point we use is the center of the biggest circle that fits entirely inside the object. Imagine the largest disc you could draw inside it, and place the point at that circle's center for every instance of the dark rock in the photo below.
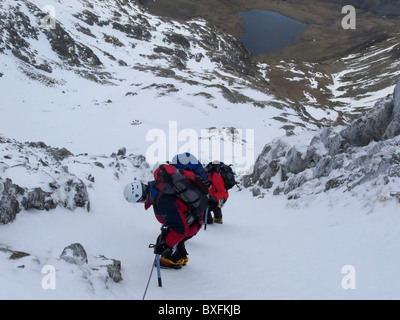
(371, 126)
(266, 166)
(165, 50)
(231, 54)
(38, 199)
(121, 152)
(78, 188)
(256, 191)
(235, 64)
(114, 270)
(393, 129)
(113, 267)
(247, 181)
(60, 154)
(289, 133)
(38, 144)
(69, 50)
(333, 141)
(312, 156)
(75, 254)
(198, 57)
(295, 163)
(90, 18)
(18, 255)
(177, 39)
(9, 205)
(327, 164)
(133, 31)
(278, 190)
(18, 28)
(181, 54)
(99, 164)
(177, 63)
(297, 181)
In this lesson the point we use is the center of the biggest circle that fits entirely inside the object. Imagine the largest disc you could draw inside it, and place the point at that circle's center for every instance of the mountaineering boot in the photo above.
(218, 221)
(183, 253)
(211, 220)
(171, 259)
(166, 263)
(184, 260)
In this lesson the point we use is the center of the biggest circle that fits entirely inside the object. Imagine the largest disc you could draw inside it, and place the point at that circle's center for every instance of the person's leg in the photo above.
(183, 253)
(218, 215)
(211, 213)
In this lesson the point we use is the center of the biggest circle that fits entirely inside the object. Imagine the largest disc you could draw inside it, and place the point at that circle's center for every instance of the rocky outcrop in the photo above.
(366, 151)
(56, 186)
(137, 31)
(38, 199)
(93, 270)
(36, 158)
(380, 123)
(76, 254)
(19, 29)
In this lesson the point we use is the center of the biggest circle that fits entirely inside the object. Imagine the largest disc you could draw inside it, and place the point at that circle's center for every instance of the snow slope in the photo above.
(267, 248)
(264, 250)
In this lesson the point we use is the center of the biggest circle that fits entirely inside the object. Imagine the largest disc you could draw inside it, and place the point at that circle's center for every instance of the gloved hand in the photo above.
(160, 247)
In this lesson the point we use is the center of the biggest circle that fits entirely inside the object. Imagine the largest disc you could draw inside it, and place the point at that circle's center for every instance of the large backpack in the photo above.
(186, 185)
(187, 161)
(225, 171)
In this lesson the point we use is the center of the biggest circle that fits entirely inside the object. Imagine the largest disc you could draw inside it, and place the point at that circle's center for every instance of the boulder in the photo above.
(38, 199)
(75, 254)
(9, 204)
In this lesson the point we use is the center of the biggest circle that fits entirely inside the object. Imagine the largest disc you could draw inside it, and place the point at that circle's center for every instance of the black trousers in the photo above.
(214, 210)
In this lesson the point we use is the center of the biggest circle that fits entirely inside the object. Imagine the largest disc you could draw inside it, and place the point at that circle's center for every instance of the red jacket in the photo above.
(171, 211)
(217, 189)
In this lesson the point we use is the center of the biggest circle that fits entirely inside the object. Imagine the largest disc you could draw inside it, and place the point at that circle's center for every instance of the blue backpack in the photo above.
(186, 161)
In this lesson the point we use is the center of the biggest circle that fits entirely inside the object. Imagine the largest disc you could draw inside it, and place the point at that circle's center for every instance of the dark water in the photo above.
(266, 32)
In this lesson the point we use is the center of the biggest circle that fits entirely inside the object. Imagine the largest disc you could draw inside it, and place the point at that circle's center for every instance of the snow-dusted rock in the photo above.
(380, 123)
(9, 205)
(75, 254)
(393, 129)
(38, 199)
(37, 176)
(365, 152)
(112, 266)
(371, 126)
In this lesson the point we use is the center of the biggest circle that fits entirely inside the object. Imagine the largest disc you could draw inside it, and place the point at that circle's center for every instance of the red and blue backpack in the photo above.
(186, 185)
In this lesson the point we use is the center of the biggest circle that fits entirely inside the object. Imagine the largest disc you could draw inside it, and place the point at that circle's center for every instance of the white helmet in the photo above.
(135, 192)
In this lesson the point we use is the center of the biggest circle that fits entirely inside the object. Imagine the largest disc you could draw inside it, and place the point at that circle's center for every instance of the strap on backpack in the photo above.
(163, 173)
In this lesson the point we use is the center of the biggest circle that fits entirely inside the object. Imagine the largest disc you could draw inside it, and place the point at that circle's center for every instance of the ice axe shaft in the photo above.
(159, 270)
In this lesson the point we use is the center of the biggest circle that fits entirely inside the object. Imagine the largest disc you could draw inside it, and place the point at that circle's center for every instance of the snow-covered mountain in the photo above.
(94, 93)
